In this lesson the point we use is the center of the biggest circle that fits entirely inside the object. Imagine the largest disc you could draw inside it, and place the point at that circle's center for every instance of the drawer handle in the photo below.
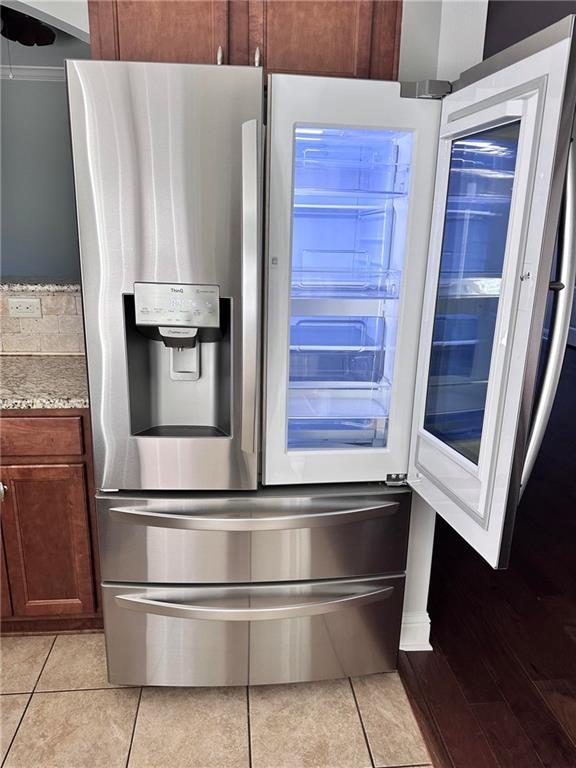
(178, 611)
(281, 522)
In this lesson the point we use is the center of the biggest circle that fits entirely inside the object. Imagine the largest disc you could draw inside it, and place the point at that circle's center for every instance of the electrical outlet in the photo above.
(24, 308)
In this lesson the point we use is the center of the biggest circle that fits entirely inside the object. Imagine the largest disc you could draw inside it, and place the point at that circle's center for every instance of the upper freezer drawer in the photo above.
(252, 635)
(251, 539)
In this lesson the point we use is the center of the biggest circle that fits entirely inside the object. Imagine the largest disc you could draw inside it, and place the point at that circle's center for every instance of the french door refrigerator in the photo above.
(290, 326)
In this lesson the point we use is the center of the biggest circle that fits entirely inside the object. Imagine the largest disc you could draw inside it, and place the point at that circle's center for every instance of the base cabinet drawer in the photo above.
(205, 636)
(41, 436)
(255, 539)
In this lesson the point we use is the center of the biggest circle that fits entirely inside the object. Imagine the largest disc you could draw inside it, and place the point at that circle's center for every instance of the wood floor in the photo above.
(499, 690)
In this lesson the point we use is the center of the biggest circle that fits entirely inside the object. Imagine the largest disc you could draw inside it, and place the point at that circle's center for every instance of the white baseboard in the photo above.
(415, 633)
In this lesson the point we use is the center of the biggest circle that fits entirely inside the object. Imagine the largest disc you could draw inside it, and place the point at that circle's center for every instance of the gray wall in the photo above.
(38, 234)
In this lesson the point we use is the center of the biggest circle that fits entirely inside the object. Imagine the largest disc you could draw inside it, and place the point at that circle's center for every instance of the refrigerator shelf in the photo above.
(454, 342)
(331, 209)
(340, 306)
(334, 435)
(348, 192)
(304, 348)
(337, 404)
(343, 385)
(469, 287)
(343, 157)
(368, 282)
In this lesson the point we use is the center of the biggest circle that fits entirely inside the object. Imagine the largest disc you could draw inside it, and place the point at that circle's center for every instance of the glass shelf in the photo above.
(359, 281)
(338, 404)
(331, 209)
(335, 435)
(469, 287)
(336, 194)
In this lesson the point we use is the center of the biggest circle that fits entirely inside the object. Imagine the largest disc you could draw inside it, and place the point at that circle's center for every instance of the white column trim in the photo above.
(415, 632)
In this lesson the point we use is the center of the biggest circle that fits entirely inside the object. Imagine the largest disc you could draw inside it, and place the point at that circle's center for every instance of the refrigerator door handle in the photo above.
(250, 289)
(218, 613)
(133, 516)
(560, 325)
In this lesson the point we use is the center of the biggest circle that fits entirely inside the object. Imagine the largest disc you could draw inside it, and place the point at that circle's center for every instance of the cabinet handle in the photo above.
(257, 57)
(219, 55)
(3, 491)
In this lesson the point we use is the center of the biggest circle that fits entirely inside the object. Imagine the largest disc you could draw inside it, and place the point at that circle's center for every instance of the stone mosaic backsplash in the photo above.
(58, 331)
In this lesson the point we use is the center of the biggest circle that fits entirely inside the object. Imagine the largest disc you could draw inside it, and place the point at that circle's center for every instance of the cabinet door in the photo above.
(504, 147)
(159, 30)
(348, 38)
(5, 601)
(46, 536)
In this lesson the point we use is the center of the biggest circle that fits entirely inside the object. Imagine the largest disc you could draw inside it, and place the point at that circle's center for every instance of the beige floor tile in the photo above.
(191, 728)
(392, 731)
(21, 660)
(76, 662)
(75, 729)
(12, 707)
(310, 725)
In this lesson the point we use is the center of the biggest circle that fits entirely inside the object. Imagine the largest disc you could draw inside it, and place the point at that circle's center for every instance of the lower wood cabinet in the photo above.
(5, 600)
(49, 555)
(47, 542)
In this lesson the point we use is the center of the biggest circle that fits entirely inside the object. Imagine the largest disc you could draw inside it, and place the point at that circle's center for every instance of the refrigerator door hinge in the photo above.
(397, 479)
(425, 89)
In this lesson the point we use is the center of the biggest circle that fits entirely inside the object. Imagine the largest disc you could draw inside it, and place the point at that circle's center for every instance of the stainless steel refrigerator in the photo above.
(290, 327)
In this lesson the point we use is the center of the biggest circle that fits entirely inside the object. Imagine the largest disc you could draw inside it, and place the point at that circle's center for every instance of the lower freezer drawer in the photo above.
(239, 635)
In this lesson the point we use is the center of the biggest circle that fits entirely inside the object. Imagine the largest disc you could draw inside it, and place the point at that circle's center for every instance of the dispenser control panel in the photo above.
(176, 304)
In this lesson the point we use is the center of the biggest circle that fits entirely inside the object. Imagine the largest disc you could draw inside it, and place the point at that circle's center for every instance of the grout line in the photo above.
(81, 690)
(362, 723)
(134, 728)
(30, 695)
(43, 665)
(18, 726)
(249, 728)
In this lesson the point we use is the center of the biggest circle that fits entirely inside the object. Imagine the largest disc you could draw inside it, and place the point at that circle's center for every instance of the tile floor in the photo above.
(59, 711)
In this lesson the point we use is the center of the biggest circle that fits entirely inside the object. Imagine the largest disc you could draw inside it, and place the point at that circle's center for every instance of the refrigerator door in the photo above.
(350, 174)
(502, 159)
(167, 163)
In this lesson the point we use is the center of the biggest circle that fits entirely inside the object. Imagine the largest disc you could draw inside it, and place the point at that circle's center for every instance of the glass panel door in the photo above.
(349, 222)
(502, 154)
(480, 183)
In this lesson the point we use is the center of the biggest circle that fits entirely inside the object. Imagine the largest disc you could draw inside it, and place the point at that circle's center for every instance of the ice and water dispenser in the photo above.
(179, 362)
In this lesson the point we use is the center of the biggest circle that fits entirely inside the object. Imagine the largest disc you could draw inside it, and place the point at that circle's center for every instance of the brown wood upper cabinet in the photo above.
(189, 31)
(345, 38)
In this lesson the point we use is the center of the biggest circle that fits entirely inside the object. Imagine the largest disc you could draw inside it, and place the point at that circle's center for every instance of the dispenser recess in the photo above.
(178, 349)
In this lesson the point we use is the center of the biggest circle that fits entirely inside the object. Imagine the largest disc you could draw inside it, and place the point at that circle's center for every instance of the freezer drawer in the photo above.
(204, 636)
(251, 538)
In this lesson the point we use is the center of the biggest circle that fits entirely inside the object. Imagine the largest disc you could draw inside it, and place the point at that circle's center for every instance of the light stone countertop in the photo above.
(19, 286)
(43, 381)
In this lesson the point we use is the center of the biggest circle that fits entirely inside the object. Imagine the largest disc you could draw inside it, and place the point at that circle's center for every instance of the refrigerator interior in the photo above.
(349, 222)
(475, 231)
